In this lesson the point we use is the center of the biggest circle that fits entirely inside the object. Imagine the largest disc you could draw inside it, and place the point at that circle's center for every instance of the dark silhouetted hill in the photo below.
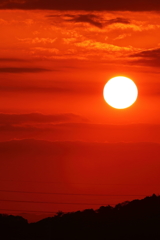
(135, 220)
(13, 227)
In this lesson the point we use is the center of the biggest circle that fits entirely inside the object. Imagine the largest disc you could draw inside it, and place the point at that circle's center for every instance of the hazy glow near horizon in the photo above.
(120, 92)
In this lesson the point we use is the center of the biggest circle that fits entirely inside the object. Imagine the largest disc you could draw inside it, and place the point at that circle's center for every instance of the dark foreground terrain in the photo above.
(137, 220)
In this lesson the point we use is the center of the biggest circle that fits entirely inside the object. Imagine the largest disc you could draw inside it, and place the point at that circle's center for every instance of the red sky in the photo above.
(58, 137)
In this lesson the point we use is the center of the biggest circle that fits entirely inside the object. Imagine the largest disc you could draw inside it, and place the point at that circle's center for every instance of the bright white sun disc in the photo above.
(120, 92)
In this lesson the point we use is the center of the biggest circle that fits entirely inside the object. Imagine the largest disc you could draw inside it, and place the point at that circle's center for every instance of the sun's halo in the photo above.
(120, 92)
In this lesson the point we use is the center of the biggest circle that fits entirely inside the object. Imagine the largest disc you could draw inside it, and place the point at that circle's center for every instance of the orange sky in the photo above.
(53, 56)
(54, 64)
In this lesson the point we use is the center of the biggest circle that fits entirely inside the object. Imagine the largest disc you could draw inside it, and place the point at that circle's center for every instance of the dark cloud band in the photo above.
(39, 118)
(21, 70)
(89, 5)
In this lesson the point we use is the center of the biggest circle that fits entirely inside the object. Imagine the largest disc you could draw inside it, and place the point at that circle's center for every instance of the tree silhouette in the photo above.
(138, 219)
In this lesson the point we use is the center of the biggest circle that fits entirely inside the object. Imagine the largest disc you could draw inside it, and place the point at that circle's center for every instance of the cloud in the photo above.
(101, 5)
(13, 60)
(47, 50)
(69, 127)
(122, 36)
(85, 18)
(153, 53)
(54, 87)
(92, 19)
(118, 20)
(149, 57)
(38, 40)
(21, 70)
(33, 125)
(102, 46)
(38, 118)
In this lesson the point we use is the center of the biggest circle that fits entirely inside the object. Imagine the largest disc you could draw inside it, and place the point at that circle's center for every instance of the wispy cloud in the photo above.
(37, 40)
(102, 46)
(45, 50)
(150, 53)
(148, 57)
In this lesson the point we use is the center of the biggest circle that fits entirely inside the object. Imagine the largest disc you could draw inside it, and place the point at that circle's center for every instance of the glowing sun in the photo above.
(120, 92)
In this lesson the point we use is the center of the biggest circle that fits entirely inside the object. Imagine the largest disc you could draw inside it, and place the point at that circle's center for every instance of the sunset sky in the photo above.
(61, 146)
